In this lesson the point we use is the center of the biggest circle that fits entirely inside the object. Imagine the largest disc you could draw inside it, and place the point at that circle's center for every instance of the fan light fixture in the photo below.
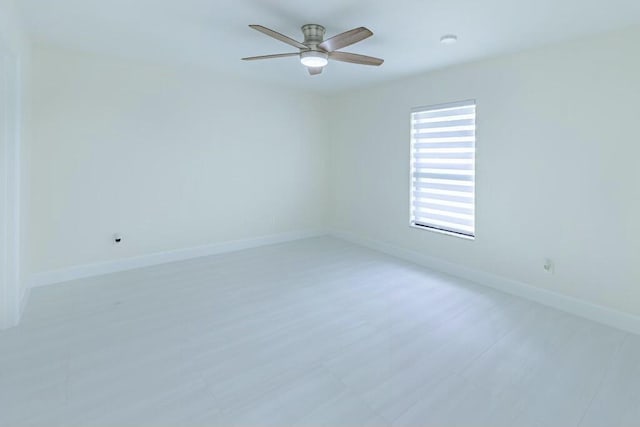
(314, 59)
(315, 51)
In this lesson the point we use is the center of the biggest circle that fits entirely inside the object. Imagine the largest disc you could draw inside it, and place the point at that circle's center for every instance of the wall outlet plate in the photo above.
(548, 265)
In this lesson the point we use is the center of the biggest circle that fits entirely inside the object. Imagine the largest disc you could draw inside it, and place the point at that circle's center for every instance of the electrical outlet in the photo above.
(548, 266)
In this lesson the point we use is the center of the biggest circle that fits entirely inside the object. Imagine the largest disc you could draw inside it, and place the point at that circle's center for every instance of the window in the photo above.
(443, 144)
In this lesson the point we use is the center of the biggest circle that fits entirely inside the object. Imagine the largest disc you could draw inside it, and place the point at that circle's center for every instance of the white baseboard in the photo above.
(26, 293)
(571, 305)
(597, 313)
(97, 269)
(15, 313)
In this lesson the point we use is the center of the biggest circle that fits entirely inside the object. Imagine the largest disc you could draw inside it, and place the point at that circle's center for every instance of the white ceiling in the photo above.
(214, 33)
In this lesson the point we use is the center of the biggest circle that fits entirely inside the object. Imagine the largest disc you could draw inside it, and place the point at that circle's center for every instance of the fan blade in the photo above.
(314, 70)
(277, 55)
(355, 58)
(345, 39)
(276, 35)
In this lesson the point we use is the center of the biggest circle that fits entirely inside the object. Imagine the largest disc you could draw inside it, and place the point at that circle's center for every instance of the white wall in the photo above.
(14, 148)
(14, 69)
(175, 158)
(557, 166)
(169, 157)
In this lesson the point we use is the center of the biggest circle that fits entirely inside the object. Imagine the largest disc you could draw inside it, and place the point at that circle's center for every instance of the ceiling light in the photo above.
(314, 58)
(449, 39)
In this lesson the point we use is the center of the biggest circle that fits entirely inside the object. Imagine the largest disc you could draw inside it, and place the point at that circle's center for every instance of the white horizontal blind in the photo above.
(443, 145)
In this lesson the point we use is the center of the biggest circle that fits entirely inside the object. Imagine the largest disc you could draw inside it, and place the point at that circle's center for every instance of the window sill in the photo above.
(448, 233)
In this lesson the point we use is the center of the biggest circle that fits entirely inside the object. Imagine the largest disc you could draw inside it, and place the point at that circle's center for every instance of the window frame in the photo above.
(426, 108)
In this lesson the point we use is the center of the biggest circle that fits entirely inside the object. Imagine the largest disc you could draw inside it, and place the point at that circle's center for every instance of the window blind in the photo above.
(443, 144)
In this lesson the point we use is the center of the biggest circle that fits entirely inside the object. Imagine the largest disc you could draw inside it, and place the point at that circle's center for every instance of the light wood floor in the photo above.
(310, 333)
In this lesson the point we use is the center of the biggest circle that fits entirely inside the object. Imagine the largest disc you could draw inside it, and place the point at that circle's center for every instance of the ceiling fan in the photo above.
(315, 52)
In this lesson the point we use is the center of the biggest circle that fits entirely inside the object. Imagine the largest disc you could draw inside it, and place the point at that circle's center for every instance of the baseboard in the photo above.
(26, 293)
(597, 313)
(107, 267)
(12, 317)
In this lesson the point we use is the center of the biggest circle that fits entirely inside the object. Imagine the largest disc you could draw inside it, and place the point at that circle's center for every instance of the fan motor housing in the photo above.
(313, 34)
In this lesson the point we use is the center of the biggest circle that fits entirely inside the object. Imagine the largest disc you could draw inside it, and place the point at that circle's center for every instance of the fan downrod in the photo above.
(313, 35)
